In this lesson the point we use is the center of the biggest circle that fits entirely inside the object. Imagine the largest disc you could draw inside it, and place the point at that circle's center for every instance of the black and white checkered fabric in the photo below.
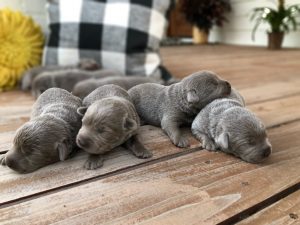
(120, 34)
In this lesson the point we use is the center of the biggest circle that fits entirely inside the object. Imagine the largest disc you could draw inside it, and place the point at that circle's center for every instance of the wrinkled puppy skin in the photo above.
(226, 125)
(29, 75)
(176, 105)
(109, 120)
(66, 79)
(84, 88)
(50, 134)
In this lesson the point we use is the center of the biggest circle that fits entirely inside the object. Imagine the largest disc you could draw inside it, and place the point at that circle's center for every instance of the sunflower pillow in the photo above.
(21, 46)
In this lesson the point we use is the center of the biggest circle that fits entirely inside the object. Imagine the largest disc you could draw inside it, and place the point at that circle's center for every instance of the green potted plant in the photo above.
(203, 15)
(281, 20)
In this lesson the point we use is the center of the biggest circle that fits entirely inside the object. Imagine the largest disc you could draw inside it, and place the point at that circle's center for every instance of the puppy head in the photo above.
(36, 144)
(246, 138)
(40, 84)
(203, 87)
(88, 64)
(105, 126)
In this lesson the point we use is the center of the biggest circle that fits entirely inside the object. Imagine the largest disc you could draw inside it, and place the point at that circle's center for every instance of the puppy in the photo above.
(49, 136)
(109, 120)
(173, 106)
(226, 125)
(83, 88)
(29, 75)
(66, 79)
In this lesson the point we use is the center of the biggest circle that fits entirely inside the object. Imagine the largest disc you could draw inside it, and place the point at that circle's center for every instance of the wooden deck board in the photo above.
(175, 191)
(15, 186)
(183, 186)
(283, 212)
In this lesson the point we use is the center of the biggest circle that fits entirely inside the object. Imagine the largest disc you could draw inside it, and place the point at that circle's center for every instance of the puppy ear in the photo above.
(63, 151)
(81, 111)
(223, 140)
(192, 97)
(129, 124)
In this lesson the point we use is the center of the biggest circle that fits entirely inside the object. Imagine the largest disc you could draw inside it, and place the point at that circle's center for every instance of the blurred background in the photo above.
(237, 30)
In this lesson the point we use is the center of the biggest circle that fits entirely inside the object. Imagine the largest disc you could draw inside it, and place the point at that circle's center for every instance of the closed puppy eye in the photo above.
(252, 142)
(99, 130)
(212, 82)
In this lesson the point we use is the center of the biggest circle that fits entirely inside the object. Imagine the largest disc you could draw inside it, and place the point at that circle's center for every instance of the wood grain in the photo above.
(271, 90)
(286, 211)
(201, 187)
(15, 186)
(278, 111)
(244, 67)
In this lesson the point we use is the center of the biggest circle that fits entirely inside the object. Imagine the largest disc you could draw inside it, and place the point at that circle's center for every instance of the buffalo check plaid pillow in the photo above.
(119, 34)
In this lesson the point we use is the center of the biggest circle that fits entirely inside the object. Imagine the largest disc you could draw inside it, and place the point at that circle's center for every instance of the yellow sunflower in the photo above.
(21, 46)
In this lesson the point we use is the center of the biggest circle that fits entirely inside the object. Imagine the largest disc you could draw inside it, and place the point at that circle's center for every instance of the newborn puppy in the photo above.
(226, 125)
(29, 75)
(109, 120)
(66, 79)
(173, 106)
(50, 134)
(83, 88)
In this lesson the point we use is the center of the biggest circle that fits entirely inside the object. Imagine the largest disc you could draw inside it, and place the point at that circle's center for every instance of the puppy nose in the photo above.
(10, 162)
(228, 85)
(267, 152)
(82, 142)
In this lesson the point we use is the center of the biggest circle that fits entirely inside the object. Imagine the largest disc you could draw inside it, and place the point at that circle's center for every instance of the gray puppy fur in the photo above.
(29, 75)
(109, 120)
(66, 79)
(49, 136)
(226, 125)
(173, 106)
(84, 88)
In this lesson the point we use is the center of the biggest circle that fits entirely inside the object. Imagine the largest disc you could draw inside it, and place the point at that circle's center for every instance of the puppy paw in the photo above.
(137, 148)
(93, 162)
(181, 142)
(2, 160)
(142, 153)
(209, 144)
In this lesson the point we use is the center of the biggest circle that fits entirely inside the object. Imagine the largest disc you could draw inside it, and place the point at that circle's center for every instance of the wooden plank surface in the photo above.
(15, 186)
(243, 66)
(271, 90)
(201, 187)
(284, 212)
(278, 111)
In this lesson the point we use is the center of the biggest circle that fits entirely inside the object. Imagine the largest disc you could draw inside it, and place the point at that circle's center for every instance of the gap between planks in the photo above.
(98, 177)
(245, 214)
(129, 168)
(201, 180)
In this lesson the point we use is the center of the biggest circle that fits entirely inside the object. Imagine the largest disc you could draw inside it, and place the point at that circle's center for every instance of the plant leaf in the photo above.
(258, 22)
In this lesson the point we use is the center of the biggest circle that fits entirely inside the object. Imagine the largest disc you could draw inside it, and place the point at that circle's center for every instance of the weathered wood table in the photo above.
(176, 186)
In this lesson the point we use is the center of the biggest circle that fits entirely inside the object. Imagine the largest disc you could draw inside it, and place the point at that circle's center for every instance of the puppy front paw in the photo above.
(2, 160)
(94, 162)
(142, 153)
(209, 144)
(181, 142)
(137, 148)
